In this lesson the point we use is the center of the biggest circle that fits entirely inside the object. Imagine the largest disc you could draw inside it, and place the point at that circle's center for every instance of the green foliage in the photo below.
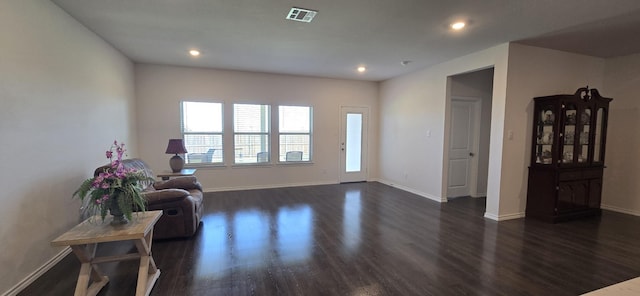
(115, 186)
(125, 193)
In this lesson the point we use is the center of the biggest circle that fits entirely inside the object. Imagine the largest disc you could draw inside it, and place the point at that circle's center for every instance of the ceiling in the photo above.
(253, 35)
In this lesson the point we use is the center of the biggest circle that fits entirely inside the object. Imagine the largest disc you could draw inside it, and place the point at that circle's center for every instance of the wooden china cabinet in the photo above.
(567, 159)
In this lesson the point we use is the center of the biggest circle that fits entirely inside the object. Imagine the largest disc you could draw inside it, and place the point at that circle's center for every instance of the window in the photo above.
(251, 133)
(295, 133)
(202, 132)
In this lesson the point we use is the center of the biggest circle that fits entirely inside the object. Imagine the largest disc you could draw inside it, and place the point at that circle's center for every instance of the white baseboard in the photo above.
(491, 216)
(619, 210)
(511, 216)
(411, 190)
(504, 217)
(37, 273)
(234, 188)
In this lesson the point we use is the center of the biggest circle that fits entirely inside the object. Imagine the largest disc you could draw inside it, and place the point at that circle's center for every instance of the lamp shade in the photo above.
(176, 146)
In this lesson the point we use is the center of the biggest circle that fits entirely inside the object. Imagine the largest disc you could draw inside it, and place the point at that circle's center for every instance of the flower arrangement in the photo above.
(116, 189)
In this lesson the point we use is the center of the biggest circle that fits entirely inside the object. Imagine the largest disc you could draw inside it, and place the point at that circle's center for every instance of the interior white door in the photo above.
(353, 144)
(460, 147)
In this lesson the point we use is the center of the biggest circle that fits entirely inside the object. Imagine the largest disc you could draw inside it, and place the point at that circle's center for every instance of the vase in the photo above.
(116, 212)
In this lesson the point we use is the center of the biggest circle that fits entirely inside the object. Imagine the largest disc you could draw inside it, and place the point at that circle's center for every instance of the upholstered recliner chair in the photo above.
(180, 199)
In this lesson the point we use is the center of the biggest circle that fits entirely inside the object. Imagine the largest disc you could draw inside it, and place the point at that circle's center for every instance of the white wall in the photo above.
(621, 189)
(65, 96)
(159, 90)
(535, 72)
(412, 104)
(415, 104)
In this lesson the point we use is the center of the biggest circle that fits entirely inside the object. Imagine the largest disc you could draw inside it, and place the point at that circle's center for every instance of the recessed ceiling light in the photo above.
(361, 69)
(458, 25)
(194, 52)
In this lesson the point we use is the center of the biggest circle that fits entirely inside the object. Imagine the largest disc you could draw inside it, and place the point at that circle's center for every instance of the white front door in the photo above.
(353, 144)
(461, 145)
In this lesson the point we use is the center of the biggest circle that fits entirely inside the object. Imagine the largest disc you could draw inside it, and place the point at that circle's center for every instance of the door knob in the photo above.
(471, 154)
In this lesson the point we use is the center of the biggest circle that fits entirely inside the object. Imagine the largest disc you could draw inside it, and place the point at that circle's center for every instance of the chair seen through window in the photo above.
(294, 156)
(262, 157)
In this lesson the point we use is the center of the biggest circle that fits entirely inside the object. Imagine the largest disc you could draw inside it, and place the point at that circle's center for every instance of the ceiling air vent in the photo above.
(301, 14)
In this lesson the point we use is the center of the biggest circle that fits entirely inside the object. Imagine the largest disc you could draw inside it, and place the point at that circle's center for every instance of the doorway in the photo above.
(468, 134)
(353, 144)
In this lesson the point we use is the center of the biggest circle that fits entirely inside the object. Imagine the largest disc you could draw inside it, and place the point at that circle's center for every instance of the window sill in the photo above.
(269, 165)
(248, 165)
(295, 163)
(251, 165)
(205, 166)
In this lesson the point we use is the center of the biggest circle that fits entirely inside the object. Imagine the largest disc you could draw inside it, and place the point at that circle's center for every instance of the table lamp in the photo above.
(176, 146)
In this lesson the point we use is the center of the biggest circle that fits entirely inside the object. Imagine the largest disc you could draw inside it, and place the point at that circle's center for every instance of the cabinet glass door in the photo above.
(569, 134)
(597, 145)
(585, 129)
(544, 137)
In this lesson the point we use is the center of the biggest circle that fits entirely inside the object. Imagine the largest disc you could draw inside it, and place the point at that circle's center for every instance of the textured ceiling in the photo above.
(253, 35)
(606, 38)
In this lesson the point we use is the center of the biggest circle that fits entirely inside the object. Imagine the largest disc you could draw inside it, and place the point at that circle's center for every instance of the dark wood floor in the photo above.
(371, 239)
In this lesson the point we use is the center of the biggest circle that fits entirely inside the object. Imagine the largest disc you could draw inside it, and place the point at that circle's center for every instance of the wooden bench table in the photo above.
(85, 237)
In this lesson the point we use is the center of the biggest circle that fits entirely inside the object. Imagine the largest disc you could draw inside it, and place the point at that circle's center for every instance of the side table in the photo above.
(85, 237)
(166, 175)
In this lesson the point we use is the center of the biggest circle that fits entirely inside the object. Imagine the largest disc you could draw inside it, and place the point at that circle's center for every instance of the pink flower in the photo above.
(103, 199)
(99, 178)
(120, 152)
(104, 185)
(121, 174)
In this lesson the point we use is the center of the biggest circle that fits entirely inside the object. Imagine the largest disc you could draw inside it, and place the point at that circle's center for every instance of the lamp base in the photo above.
(176, 163)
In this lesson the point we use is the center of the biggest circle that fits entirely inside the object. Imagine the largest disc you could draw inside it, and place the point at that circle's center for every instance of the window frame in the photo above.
(221, 134)
(309, 133)
(268, 135)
